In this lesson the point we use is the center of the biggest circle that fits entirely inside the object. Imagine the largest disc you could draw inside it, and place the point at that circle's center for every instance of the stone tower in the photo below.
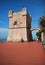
(19, 26)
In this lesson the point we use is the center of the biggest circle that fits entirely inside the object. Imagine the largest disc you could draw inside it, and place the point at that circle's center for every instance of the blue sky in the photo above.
(35, 8)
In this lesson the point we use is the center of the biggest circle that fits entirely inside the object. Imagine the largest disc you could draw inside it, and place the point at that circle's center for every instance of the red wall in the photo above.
(27, 53)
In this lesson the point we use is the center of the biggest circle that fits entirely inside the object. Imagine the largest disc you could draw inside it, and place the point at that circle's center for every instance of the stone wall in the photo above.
(19, 24)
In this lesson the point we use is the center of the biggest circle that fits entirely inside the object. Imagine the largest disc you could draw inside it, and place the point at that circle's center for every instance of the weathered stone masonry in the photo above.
(19, 26)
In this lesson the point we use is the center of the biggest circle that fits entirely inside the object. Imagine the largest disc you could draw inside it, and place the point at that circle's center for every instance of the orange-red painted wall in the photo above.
(26, 53)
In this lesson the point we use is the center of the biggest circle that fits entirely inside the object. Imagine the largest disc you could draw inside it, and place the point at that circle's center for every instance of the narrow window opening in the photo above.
(15, 23)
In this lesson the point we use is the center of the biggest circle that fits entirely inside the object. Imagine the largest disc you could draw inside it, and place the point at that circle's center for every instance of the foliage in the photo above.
(39, 35)
(41, 26)
(42, 23)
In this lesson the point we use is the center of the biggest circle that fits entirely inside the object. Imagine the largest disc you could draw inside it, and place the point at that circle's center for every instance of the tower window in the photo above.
(15, 23)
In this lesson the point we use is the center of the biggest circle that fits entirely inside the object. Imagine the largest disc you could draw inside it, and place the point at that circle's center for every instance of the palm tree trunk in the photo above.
(42, 36)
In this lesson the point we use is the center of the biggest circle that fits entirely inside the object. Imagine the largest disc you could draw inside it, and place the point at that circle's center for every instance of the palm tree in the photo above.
(42, 27)
(39, 35)
(42, 23)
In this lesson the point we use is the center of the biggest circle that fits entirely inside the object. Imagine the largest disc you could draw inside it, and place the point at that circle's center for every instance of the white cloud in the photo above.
(3, 29)
(3, 33)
